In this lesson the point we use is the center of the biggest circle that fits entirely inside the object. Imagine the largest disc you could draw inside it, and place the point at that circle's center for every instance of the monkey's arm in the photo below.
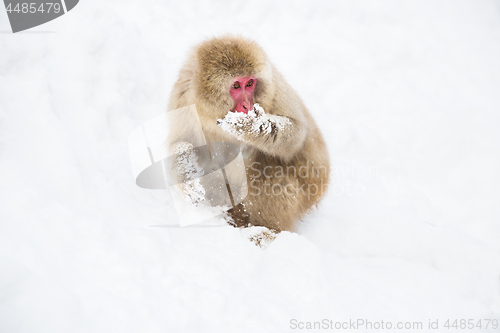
(187, 172)
(275, 135)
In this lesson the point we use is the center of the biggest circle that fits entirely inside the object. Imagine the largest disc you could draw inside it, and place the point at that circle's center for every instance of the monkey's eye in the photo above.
(236, 85)
(249, 84)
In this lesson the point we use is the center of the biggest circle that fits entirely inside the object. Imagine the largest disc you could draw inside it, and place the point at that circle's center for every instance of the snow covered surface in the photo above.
(407, 94)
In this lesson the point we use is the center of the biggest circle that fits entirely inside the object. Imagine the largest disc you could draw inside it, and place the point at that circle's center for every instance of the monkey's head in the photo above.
(232, 73)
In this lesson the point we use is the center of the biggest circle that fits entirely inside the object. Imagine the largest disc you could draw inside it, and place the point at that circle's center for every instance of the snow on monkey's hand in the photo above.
(254, 123)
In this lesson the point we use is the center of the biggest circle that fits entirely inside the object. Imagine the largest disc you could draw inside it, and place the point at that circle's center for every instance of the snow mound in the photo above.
(408, 106)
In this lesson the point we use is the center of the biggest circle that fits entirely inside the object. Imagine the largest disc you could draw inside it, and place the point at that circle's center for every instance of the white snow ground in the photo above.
(407, 94)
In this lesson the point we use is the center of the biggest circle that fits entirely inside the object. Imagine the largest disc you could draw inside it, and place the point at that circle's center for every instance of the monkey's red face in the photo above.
(241, 91)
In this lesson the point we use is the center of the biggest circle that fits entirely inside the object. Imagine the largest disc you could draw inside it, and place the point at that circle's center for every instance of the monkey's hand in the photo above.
(188, 171)
(254, 125)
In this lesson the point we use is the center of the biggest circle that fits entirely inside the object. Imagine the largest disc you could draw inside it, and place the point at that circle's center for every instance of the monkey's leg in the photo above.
(240, 217)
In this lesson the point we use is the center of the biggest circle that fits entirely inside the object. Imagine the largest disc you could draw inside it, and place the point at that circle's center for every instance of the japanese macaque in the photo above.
(241, 98)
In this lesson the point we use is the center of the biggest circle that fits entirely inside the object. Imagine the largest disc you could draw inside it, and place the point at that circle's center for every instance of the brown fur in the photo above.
(205, 80)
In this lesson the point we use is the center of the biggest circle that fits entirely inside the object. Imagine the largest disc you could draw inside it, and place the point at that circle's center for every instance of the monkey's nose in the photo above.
(246, 105)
